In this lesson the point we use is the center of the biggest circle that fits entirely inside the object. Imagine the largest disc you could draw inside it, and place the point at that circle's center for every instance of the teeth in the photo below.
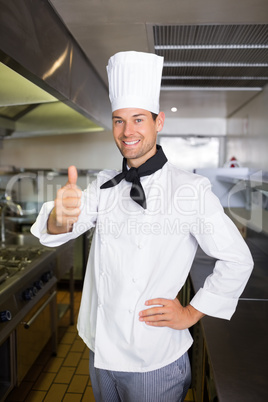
(131, 142)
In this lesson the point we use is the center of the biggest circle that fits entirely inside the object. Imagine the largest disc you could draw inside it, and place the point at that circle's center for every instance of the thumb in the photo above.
(72, 175)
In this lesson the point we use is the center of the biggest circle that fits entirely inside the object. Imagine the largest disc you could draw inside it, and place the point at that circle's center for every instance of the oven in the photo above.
(7, 367)
(28, 310)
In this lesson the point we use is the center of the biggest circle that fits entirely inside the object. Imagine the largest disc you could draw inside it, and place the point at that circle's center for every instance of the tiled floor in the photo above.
(63, 377)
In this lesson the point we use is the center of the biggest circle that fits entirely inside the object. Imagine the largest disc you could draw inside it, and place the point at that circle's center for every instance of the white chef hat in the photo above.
(135, 80)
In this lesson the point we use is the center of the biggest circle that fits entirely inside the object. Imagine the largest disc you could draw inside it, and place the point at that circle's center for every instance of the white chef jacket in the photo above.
(138, 254)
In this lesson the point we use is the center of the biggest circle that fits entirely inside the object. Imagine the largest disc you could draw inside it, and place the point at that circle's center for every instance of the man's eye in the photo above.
(138, 120)
(118, 121)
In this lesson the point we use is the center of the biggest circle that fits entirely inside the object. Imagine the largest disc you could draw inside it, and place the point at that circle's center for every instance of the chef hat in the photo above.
(135, 80)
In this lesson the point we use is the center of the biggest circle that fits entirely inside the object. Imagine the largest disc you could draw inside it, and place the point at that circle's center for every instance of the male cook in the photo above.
(149, 220)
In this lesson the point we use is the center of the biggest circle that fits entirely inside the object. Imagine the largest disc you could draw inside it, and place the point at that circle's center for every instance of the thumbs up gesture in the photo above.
(66, 206)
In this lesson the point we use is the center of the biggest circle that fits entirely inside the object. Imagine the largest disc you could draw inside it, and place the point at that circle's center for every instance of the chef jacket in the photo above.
(139, 254)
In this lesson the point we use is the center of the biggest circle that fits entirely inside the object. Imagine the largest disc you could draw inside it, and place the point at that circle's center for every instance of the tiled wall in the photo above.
(86, 151)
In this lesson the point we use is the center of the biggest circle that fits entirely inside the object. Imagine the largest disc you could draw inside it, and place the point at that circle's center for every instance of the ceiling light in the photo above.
(204, 77)
(174, 109)
(183, 47)
(209, 64)
(185, 88)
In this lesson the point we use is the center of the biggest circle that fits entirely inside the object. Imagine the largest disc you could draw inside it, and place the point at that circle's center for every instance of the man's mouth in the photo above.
(131, 142)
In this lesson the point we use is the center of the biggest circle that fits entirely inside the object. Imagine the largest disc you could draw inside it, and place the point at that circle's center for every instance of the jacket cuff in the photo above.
(39, 228)
(214, 305)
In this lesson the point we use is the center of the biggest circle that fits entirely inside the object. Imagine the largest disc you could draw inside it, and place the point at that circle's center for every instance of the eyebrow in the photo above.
(135, 115)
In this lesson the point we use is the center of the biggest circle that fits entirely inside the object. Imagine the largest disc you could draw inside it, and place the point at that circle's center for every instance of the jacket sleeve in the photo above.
(218, 236)
(86, 220)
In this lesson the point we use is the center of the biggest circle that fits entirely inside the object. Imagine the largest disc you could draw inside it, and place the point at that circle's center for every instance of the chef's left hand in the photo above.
(169, 313)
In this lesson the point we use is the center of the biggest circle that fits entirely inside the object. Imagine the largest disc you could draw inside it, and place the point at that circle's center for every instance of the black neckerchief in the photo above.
(133, 175)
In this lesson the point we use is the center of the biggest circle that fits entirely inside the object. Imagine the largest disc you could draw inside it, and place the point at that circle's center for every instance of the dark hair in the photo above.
(154, 116)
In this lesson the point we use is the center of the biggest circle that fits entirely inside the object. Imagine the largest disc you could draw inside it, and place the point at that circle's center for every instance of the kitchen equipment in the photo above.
(28, 309)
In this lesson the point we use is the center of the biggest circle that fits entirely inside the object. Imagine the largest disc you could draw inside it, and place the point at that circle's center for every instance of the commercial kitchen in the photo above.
(55, 112)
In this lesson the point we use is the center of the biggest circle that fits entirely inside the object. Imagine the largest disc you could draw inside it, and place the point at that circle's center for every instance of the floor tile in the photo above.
(61, 296)
(88, 395)
(72, 359)
(36, 396)
(189, 397)
(56, 393)
(44, 381)
(78, 346)
(63, 350)
(86, 354)
(62, 331)
(65, 299)
(72, 397)
(72, 328)
(68, 338)
(65, 375)
(78, 384)
(77, 296)
(83, 367)
(54, 364)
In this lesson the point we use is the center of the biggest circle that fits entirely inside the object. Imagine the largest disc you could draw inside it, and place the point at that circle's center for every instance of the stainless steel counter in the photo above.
(237, 349)
(257, 286)
(238, 353)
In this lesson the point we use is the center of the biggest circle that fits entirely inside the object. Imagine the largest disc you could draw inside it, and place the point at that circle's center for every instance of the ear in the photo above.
(160, 121)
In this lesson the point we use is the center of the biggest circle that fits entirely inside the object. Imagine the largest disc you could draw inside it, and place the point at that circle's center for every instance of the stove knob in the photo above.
(34, 290)
(39, 284)
(5, 316)
(27, 294)
(46, 276)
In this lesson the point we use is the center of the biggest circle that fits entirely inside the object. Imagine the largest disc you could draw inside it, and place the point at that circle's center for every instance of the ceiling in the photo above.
(216, 59)
(210, 39)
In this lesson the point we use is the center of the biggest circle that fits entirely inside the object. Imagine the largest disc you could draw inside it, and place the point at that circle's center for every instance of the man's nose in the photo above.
(128, 129)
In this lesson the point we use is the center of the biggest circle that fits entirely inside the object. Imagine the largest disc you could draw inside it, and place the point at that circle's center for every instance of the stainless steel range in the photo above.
(28, 308)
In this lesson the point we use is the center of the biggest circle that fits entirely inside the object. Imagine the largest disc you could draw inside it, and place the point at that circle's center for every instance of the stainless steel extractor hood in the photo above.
(27, 110)
(47, 85)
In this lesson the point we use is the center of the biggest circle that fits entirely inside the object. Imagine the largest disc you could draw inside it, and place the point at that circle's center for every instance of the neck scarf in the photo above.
(133, 175)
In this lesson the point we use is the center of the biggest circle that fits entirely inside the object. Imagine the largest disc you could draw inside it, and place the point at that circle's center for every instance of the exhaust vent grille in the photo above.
(213, 56)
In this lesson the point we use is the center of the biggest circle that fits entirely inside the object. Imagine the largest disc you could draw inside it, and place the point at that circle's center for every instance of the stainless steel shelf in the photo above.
(62, 310)
(250, 181)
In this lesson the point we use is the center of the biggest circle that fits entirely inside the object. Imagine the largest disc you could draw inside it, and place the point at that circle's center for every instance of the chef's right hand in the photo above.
(66, 206)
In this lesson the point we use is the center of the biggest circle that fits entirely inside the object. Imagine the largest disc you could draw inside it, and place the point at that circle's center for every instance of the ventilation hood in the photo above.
(27, 110)
(213, 57)
(47, 84)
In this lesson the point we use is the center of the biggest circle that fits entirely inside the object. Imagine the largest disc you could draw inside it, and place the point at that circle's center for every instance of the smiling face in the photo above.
(135, 134)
